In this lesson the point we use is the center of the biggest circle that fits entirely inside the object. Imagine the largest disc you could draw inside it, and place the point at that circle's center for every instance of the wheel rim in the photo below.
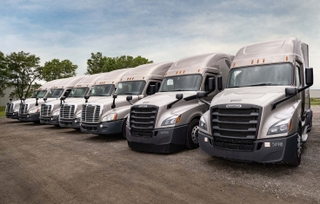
(194, 134)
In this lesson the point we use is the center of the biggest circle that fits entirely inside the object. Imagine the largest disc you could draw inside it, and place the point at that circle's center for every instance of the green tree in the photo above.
(99, 63)
(23, 69)
(3, 74)
(55, 69)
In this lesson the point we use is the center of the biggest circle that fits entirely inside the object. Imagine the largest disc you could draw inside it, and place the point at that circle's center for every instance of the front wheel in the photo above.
(192, 134)
(297, 156)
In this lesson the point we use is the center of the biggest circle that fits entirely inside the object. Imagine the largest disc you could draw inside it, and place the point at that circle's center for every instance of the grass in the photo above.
(2, 111)
(315, 101)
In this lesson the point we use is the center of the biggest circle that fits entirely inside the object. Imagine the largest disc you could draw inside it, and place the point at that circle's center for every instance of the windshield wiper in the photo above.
(261, 84)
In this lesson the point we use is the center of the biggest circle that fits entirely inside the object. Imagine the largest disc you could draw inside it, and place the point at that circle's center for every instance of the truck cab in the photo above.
(103, 86)
(108, 116)
(53, 99)
(168, 121)
(264, 113)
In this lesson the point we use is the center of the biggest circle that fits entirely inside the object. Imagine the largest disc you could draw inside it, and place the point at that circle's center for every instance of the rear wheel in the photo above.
(192, 134)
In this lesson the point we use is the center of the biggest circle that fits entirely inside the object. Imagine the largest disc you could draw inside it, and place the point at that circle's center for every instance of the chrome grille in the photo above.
(90, 113)
(9, 107)
(67, 111)
(235, 128)
(45, 110)
(23, 109)
(142, 120)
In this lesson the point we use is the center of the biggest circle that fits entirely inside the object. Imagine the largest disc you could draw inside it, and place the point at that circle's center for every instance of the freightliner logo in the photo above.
(233, 106)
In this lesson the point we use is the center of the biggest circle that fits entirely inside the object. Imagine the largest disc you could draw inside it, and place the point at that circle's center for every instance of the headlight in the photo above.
(56, 113)
(282, 126)
(34, 110)
(202, 123)
(109, 117)
(171, 120)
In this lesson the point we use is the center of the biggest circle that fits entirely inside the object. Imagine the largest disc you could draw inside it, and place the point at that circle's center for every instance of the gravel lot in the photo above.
(45, 164)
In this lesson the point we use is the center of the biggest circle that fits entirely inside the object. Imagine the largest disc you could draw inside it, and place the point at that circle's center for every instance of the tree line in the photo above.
(21, 70)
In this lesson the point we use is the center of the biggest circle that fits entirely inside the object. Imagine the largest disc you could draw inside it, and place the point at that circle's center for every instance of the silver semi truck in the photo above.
(103, 86)
(108, 116)
(264, 113)
(168, 121)
(29, 110)
(12, 108)
(60, 91)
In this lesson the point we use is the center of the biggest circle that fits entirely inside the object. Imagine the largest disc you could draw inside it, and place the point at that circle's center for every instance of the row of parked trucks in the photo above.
(252, 107)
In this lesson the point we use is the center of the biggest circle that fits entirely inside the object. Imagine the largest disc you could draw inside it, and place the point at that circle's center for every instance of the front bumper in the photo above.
(53, 120)
(13, 115)
(273, 150)
(104, 128)
(72, 123)
(35, 117)
(164, 140)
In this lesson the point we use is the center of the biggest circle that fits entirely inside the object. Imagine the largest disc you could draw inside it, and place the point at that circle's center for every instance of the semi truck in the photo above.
(108, 116)
(50, 111)
(168, 121)
(103, 86)
(12, 107)
(264, 113)
(30, 111)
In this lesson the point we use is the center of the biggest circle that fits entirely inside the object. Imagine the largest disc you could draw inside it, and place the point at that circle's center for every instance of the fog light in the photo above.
(101, 126)
(267, 144)
(206, 139)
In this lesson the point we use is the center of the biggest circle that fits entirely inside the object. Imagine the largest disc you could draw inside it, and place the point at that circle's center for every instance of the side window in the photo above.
(297, 76)
(206, 82)
(156, 84)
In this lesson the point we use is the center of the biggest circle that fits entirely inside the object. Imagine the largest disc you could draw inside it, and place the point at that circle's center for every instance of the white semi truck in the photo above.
(12, 108)
(168, 121)
(108, 116)
(103, 86)
(29, 110)
(50, 111)
(264, 113)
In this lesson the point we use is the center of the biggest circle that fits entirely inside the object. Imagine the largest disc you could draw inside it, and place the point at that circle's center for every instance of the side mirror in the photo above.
(37, 101)
(201, 94)
(115, 96)
(220, 87)
(10, 99)
(129, 98)
(179, 96)
(45, 100)
(86, 97)
(291, 91)
(212, 84)
(309, 76)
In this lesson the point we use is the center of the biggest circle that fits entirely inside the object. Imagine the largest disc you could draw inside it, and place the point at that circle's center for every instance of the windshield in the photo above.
(181, 83)
(41, 93)
(102, 90)
(54, 93)
(261, 75)
(78, 92)
(130, 88)
(34, 95)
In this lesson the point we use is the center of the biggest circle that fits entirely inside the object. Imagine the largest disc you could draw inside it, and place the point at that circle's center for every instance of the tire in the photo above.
(124, 130)
(297, 156)
(192, 135)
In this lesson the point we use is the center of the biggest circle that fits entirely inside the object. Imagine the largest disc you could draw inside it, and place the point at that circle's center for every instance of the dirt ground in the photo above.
(46, 164)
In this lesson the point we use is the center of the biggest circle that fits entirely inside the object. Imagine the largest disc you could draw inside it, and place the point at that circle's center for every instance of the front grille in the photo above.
(235, 128)
(67, 111)
(9, 107)
(23, 109)
(142, 120)
(45, 110)
(90, 113)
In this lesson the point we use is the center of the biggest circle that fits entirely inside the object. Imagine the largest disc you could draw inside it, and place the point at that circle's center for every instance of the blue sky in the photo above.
(158, 30)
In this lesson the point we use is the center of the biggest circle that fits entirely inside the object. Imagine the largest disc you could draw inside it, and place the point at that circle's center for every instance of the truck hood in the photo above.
(164, 98)
(261, 96)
